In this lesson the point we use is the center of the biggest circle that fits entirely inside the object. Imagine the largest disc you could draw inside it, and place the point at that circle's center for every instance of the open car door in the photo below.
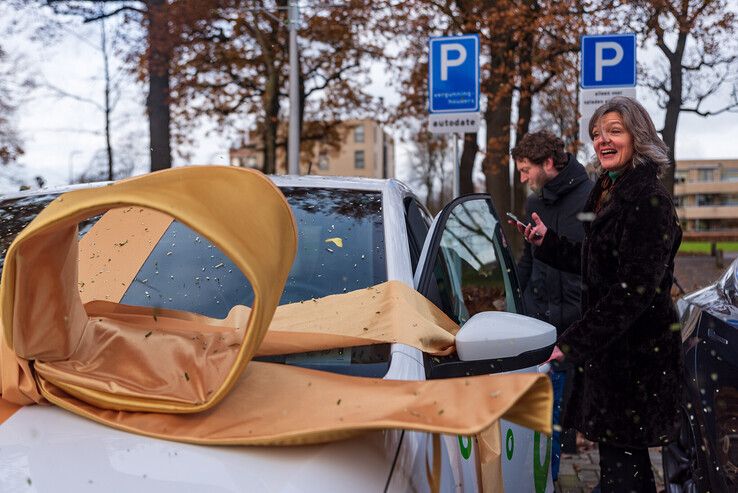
(467, 270)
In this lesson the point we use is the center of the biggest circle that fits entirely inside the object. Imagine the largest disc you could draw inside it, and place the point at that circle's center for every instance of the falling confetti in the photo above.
(336, 241)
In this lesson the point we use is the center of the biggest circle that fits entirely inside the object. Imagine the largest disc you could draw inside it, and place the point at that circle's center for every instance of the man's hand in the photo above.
(532, 233)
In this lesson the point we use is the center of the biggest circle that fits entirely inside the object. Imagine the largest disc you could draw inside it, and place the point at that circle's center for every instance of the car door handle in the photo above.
(712, 335)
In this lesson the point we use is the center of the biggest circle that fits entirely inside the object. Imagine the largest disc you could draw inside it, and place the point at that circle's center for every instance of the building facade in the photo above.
(706, 194)
(365, 150)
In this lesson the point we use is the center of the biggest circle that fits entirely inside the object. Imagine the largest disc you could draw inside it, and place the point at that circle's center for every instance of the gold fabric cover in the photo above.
(240, 211)
(115, 363)
(119, 355)
(274, 404)
(385, 313)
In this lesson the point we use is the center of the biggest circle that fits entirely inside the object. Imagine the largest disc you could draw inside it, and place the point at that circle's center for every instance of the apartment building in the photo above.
(706, 194)
(366, 150)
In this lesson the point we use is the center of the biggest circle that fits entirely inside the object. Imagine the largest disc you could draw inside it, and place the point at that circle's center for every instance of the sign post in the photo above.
(453, 88)
(608, 69)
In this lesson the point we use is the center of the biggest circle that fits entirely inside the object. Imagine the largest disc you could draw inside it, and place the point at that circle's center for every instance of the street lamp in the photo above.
(71, 165)
(293, 149)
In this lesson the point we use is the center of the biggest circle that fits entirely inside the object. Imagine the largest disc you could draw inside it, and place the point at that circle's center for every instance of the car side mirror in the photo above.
(493, 335)
(496, 342)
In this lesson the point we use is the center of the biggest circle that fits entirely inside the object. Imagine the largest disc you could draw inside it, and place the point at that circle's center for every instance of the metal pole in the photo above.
(293, 150)
(511, 173)
(457, 166)
(71, 165)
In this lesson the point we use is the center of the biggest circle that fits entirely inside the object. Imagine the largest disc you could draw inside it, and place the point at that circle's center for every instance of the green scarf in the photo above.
(614, 175)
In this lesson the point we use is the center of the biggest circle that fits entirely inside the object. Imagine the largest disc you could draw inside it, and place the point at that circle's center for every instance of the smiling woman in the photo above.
(623, 135)
(612, 142)
(627, 387)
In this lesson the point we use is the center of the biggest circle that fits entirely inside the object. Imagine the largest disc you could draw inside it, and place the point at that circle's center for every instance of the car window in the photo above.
(473, 271)
(16, 214)
(340, 248)
(417, 221)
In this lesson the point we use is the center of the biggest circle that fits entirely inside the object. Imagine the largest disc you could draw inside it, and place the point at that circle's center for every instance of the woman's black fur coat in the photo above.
(626, 347)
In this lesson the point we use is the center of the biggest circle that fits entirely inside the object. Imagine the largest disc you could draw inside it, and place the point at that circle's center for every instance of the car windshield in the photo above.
(15, 214)
(340, 249)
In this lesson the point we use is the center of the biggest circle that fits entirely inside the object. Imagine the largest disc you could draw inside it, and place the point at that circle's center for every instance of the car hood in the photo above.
(718, 299)
(52, 450)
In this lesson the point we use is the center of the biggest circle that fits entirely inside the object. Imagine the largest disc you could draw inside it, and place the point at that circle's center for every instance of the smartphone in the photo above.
(515, 218)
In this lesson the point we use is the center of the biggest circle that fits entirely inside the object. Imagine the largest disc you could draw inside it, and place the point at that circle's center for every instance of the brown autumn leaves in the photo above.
(228, 60)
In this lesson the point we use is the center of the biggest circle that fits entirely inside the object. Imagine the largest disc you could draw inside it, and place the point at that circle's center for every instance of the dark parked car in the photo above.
(706, 456)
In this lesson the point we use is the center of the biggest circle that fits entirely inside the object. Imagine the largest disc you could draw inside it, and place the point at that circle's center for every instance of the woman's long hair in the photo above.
(647, 145)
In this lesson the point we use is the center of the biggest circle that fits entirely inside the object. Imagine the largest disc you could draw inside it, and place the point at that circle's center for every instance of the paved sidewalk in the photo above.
(697, 271)
(579, 473)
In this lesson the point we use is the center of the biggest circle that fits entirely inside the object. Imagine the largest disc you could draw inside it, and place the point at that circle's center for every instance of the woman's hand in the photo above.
(556, 355)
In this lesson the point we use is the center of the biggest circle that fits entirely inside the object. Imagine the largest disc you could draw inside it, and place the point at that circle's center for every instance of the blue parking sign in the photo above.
(453, 74)
(608, 61)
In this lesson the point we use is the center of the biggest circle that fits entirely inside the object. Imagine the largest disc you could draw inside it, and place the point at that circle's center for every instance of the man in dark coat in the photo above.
(560, 187)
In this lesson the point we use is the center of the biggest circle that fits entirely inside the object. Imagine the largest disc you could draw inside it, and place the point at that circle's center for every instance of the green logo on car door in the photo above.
(509, 443)
(465, 449)
(540, 471)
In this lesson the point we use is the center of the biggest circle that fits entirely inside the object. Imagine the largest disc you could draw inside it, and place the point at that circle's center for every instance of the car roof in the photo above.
(51, 190)
(309, 181)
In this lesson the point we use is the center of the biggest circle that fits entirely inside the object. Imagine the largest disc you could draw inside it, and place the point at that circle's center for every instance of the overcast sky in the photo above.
(61, 136)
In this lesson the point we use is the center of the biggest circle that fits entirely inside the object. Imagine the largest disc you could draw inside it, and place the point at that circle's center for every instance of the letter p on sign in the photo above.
(453, 74)
(608, 61)
(601, 61)
(447, 62)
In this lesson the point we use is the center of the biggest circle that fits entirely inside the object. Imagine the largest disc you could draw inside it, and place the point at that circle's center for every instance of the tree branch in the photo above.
(117, 11)
(659, 86)
(328, 80)
(732, 108)
(68, 130)
(64, 94)
(703, 63)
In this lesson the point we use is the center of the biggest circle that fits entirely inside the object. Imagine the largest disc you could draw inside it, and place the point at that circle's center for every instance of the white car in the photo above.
(460, 261)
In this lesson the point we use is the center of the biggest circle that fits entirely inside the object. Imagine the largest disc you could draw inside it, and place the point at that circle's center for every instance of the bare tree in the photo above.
(111, 95)
(697, 41)
(108, 105)
(151, 55)
(556, 109)
(430, 171)
(239, 50)
(11, 146)
(116, 86)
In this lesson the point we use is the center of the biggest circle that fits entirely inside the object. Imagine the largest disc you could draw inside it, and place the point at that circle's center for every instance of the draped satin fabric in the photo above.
(240, 211)
(310, 406)
(186, 377)
(138, 353)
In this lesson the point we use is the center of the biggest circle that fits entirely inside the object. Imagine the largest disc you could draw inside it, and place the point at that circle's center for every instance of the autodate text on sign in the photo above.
(443, 123)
